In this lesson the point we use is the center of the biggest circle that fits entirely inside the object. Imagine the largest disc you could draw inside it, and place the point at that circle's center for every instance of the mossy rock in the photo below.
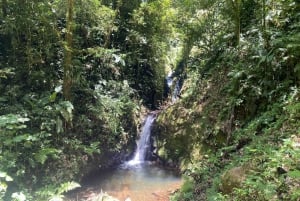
(232, 178)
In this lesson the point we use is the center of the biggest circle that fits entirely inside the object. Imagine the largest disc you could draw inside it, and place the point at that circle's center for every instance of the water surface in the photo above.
(137, 179)
(142, 182)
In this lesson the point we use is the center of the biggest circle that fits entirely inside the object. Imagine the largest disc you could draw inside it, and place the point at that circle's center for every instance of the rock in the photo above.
(232, 178)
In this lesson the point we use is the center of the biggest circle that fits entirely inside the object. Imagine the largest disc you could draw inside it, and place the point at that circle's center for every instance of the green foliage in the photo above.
(267, 181)
(23, 152)
(113, 104)
(9, 121)
(43, 154)
(241, 59)
(4, 178)
(45, 140)
(240, 100)
(4, 73)
(52, 193)
(186, 190)
(19, 196)
(146, 49)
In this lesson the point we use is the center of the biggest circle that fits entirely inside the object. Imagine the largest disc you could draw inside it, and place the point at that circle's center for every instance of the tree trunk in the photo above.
(238, 28)
(264, 15)
(237, 11)
(236, 17)
(265, 25)
(4, 8)
(67, 82)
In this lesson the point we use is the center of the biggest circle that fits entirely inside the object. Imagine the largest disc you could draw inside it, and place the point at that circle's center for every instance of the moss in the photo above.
(232, 178)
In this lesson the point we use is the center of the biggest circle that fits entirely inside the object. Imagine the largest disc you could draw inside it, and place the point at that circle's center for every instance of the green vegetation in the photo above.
(75, 77)
(235, 129)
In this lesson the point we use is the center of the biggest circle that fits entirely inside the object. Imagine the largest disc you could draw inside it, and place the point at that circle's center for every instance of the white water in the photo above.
(143, 144)
(169, 79)
(136, 179)
(174, 85)
(176, 91)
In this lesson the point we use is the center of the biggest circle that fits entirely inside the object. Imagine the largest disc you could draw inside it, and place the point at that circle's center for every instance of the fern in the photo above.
(44, 153)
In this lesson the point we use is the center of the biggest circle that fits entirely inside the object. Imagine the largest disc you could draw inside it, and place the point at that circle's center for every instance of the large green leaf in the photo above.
(65, 187)
(294, 174)
(44, 153)
(5, 176)
(10, 119)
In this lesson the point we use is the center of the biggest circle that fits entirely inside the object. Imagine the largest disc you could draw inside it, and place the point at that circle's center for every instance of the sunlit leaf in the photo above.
(5, 176)
(65, 187)
(294, 174)
(18, 196)
(53, 97)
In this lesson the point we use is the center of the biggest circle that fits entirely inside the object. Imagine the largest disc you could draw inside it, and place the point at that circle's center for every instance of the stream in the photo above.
(137, 179)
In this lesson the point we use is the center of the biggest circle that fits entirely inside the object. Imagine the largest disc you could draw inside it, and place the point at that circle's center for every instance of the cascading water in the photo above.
(143, 144)
(174, 85)
(176, 91)
(135, 179)
(169, 79)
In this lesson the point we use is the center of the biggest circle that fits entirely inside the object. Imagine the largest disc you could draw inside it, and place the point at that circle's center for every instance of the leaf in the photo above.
(20, 138)
(53, 97)
(57, 198)
(65, 108)
(65, 187)
(40, 157)
(58, 89)
(93, 148)
(59, 125)
(5, 176)
(3, 99)
(294, 174)
(43, 154)
(296, 194)
(3, 187)
(8, 142)
(10, 119)
(18, 196)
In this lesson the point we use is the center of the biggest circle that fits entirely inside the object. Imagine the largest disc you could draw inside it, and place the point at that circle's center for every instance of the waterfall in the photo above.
(174, 84)
(176, 90)
(143, 144)
(169, 79)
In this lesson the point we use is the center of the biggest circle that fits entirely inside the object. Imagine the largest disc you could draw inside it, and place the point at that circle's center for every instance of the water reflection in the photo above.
(144, 182)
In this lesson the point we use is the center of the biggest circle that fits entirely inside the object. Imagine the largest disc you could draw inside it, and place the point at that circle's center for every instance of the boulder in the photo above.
(232, 178)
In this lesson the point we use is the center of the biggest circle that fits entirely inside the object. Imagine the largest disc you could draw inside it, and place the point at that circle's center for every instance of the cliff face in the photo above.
(197, 121)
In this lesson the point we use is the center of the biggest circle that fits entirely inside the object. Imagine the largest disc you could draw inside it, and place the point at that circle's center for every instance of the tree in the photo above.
(147, 45)
(235, 15)
(67, 80)
(4, 8)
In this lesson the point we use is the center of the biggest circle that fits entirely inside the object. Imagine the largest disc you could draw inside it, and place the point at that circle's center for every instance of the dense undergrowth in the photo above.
(235, 128)
(75, 77)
